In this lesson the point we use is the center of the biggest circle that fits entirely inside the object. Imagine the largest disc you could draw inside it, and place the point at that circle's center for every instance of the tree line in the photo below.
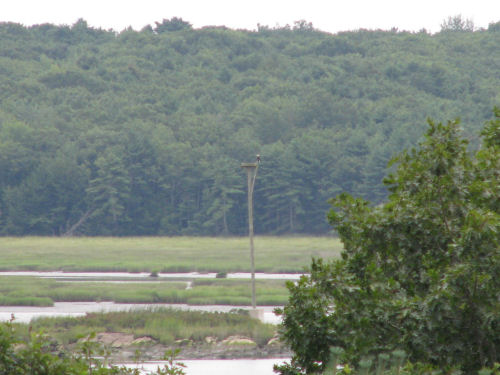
(143, 132)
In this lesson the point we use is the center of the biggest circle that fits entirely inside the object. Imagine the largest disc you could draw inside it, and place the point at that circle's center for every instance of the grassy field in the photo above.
(33, 291)
(163, 254)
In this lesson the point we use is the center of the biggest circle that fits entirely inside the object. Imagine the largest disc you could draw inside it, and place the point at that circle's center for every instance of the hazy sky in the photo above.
(326, 15)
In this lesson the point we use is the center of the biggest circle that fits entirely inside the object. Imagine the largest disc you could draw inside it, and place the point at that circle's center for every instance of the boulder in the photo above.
(183, 342)
(142, 340)
(239, 340)
(210, 340)
(115, 339)
(275, 341)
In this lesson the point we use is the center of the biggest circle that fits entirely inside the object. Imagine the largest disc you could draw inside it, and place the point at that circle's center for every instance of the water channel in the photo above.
(145, 275)
(219, 366)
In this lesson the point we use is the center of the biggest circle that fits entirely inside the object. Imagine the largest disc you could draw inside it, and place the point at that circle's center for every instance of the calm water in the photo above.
(145, 275)
(221, 367)
(24, 314)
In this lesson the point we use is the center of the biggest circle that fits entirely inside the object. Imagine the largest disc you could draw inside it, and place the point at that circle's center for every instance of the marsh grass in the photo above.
(164, 325)
(25, 301)
(34, 291)
(163, 254)
(237, 292)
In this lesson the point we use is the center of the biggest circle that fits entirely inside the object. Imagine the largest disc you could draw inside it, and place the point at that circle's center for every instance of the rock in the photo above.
(210, 340)
(239, 340)
(275, 341)
(142, 340)
(183, 342)
(18, 347)
(115, 339)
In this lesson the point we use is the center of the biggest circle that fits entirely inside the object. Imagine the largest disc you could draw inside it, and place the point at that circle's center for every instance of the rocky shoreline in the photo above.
(124, 347)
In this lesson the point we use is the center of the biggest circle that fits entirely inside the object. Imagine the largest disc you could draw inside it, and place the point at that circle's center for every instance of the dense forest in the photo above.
(143, 132)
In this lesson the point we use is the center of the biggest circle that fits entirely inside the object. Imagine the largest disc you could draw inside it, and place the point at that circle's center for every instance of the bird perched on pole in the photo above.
(258, 158)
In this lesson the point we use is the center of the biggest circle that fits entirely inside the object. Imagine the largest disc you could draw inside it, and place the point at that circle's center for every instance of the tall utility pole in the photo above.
(251, 169)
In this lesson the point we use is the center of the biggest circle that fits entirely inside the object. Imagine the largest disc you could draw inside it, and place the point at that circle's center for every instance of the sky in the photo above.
(327, 15)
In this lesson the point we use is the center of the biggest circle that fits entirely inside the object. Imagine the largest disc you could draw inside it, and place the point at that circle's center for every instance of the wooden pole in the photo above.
(250, 232)
(251, 169)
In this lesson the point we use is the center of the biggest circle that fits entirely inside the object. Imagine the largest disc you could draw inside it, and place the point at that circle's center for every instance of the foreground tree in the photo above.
(420, 273)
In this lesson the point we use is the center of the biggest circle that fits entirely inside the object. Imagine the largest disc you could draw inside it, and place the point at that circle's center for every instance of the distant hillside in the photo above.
(136, 133)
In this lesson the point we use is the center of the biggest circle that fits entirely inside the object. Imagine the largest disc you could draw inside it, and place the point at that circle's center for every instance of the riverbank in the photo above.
(146, 334)
(99, 351)
(122, 347)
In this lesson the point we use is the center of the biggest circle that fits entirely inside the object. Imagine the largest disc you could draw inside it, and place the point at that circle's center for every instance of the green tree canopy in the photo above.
(153, 124)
